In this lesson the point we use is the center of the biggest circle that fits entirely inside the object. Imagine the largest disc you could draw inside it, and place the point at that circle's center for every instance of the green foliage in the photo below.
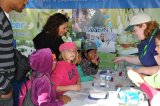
(106, 61)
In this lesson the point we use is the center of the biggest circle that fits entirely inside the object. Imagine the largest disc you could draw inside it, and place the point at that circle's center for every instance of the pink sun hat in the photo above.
(67, 46)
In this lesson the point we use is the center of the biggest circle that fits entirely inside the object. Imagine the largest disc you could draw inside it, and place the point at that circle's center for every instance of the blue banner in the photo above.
(94, 4)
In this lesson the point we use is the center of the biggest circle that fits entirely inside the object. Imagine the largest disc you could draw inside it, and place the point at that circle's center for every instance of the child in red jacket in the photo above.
(65, 75)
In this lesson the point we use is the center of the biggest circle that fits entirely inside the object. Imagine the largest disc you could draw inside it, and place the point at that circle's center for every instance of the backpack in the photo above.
(22, 65)
(25, 91)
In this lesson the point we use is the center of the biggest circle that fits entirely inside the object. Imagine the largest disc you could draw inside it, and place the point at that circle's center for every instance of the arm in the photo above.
(76, 87)
(45, 96)
(147, 70)
(79, 81)
(1, 28)
(5, 81)
(130, 59)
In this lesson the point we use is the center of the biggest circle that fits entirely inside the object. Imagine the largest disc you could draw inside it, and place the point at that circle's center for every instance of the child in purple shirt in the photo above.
(43, 92)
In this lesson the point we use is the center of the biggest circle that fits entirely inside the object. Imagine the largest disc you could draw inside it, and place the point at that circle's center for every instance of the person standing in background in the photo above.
(7, 65)
(51, 34)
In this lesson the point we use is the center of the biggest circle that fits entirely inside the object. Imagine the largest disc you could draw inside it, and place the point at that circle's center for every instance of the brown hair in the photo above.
(150, 27)
(53, 23)
(158, 36)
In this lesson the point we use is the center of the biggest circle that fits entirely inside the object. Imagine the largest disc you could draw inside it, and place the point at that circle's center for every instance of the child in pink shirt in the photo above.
(65, 75)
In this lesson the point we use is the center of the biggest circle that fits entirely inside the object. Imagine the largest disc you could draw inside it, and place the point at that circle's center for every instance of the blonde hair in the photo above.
(62, 57)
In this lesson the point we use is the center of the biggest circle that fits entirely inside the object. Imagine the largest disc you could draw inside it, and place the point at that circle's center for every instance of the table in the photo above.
(81, 98)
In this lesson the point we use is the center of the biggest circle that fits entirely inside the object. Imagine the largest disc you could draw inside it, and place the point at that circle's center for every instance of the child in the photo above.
(152, 93)
(65, 75)
(83, 78)
(149, 84)
(90, 59)
(43, 92)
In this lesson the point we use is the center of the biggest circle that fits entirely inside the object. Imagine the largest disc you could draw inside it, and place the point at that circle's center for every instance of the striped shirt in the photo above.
(7, 66)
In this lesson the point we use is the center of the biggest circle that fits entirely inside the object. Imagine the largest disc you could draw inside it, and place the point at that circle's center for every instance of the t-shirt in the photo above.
(7, 64)
(147, 59)
(153, 80)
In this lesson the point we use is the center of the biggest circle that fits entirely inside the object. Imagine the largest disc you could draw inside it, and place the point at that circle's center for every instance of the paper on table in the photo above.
(76, 95)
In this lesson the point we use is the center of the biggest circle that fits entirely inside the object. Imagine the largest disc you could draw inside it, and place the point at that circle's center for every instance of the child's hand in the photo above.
(65, 99)
(76, 87)
(95, 60)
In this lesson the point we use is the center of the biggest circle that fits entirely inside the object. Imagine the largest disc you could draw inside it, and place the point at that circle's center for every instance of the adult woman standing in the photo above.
(50, 36)
(145, 29)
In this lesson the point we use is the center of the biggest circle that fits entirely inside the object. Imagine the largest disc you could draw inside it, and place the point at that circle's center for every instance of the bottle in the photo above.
(103, 80)
(108, 79)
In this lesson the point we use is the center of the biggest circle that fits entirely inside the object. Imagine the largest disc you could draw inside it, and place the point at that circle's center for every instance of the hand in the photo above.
(119, 59)
(7, 96)
(97, 57)
(65, 99)
(95, 60)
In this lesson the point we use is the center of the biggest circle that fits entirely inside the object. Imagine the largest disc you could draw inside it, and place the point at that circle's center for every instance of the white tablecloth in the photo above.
(81, 98)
